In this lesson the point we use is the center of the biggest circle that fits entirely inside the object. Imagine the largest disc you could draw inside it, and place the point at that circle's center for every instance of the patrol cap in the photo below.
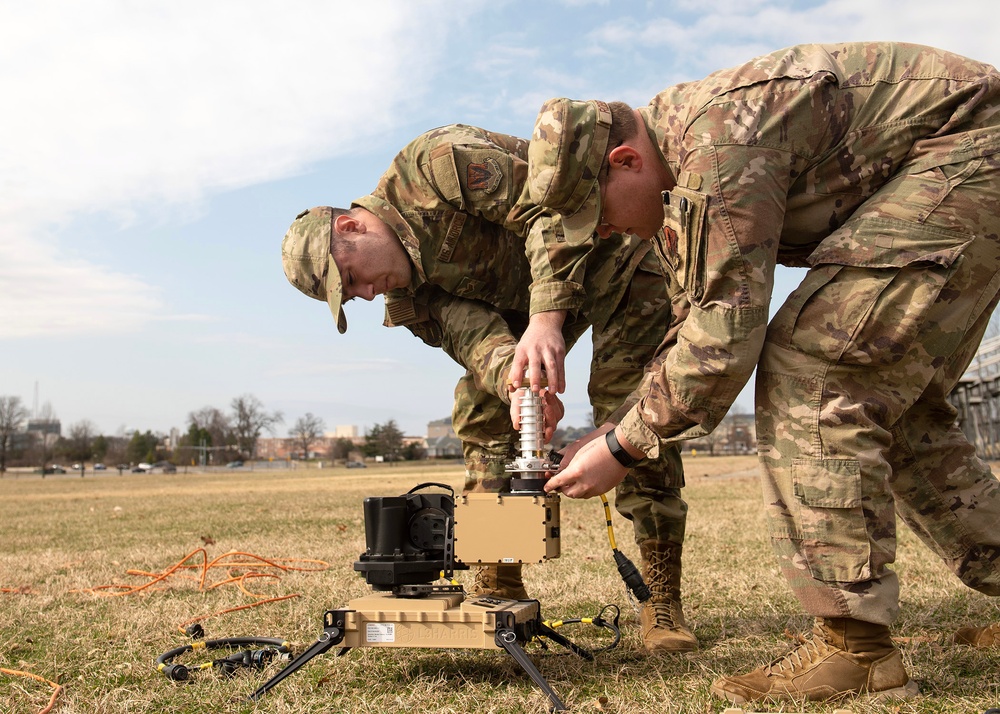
(308, 262)
(564, 160)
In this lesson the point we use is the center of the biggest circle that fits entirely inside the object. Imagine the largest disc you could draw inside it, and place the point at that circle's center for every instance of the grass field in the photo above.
(64, 536)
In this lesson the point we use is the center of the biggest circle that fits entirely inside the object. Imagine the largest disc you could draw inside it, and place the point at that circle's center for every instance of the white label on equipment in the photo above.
(507, 560)
(380, 632)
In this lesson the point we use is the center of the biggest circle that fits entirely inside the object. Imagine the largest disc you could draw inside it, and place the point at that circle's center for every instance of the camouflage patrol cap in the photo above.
(308, 262)
(564, 160)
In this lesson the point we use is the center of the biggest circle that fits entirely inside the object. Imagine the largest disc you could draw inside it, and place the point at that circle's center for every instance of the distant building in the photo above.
(440, 427)
(441, 441)
(735, 434)
(44, 427)
(345, 431)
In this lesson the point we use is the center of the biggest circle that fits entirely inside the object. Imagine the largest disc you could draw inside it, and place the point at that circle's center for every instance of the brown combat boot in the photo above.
(980, 637)
(841, 657)
(500, 581)
(662, 617)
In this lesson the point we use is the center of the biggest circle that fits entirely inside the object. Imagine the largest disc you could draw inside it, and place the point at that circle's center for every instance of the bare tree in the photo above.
(250, 421)
(307, 431)
(13, 414)
(213, 422)
(79, 445)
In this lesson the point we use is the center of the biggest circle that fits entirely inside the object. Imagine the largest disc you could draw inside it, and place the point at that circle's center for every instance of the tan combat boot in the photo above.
(500, 581)
(841, 657)
(662, 617)
(980, 637)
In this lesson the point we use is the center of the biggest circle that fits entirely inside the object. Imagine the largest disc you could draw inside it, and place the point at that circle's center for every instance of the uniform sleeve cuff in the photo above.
(548, 295)
(639, 435)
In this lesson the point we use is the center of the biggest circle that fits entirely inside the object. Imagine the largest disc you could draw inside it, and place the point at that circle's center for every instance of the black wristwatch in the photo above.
(621, 456)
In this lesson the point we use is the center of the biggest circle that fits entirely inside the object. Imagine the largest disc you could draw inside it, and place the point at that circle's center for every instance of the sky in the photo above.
(156, 152)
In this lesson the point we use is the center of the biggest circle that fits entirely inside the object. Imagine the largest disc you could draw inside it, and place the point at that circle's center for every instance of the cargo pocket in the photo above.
(835, 542)
(684, 220)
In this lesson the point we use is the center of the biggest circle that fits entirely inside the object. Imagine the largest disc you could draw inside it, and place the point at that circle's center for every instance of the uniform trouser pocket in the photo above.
(834, 536)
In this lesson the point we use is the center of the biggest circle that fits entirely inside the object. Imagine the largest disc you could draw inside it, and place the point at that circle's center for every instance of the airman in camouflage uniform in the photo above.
(482, 263)
(877, 166)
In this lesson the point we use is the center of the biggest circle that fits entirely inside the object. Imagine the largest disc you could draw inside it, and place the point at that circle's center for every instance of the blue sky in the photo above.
(156, 152)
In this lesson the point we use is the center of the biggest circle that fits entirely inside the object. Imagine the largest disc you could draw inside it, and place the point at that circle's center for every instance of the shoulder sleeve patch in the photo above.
(484, 174)
(445, 173)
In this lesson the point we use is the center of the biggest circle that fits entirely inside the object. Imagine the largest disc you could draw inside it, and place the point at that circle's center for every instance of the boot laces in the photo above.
(809, 650)
(482, 581)
(663, 614)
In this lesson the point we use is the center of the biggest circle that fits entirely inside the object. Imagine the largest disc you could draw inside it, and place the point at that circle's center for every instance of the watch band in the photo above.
(621, 456)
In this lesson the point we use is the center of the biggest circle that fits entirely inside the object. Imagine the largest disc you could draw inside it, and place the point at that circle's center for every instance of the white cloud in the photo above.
(113, 108)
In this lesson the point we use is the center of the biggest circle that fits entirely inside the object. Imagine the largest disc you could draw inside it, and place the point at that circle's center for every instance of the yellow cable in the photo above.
(611, 529)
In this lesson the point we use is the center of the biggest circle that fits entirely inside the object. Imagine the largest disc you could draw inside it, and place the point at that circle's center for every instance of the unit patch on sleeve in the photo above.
(484, 176)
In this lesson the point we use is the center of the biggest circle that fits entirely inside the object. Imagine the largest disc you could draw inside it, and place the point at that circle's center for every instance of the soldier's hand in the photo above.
(552, 411)
(541, 351)
(571, 451)
(592, 472)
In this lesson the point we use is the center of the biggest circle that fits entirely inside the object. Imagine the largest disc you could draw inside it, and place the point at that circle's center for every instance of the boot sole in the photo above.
(907, 691)
(657, 649)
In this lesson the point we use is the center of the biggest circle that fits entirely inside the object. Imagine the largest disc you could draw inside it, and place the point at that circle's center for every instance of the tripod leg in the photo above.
(327, 640)
(508, 640)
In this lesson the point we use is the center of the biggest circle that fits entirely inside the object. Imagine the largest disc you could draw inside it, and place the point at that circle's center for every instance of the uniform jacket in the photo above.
(483, 258)
(771, 158)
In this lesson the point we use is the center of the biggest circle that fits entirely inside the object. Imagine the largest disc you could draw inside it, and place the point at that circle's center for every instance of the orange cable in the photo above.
(193, 620)
(56, 688)
(282, 564)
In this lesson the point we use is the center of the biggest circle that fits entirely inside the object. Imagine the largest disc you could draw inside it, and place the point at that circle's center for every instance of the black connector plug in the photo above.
(176, 672)
(632, 577)
(195, 631)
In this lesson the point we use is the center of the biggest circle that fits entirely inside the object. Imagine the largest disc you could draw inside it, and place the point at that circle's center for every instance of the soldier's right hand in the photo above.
(541, 353)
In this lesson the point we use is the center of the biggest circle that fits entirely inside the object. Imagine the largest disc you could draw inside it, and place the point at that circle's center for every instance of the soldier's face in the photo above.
(631, 201)
(372, 261)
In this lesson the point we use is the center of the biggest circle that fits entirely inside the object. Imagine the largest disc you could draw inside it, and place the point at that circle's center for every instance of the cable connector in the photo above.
(632, 577)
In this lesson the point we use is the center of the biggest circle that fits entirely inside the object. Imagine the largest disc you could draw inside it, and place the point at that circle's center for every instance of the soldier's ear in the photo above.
(625, 157)
(345, 223)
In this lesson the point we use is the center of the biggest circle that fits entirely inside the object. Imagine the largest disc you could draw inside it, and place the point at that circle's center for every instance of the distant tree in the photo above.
(142, 447)
(12, 417)
(79, 445)
(390, 441)
(307, 431)
(341, 448)
(249, 421)
(372, 439)
(414, 452)
(211, 426)
(100, 448)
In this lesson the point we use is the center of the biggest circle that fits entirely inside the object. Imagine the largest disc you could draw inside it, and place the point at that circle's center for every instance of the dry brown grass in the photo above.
(62, 535)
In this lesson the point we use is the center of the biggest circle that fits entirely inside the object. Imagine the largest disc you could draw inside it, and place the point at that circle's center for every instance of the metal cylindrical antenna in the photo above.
(532, 424)
(528, 470)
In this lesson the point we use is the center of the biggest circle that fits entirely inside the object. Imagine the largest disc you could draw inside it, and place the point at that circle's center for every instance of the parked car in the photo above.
(234, 465)
(142, 468)
(164, 466)
(100, 467)
(356, 465)
(77, 467)
(53, 469)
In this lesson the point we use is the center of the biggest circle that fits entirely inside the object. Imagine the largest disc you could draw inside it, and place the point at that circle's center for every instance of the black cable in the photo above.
(273, 647)
(600, 621)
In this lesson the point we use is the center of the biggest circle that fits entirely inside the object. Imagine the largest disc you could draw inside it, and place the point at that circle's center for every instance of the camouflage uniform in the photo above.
(483, 262)
(878, 167)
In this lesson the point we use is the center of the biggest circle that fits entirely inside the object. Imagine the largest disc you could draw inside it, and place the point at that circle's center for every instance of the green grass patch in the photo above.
(63, 536)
